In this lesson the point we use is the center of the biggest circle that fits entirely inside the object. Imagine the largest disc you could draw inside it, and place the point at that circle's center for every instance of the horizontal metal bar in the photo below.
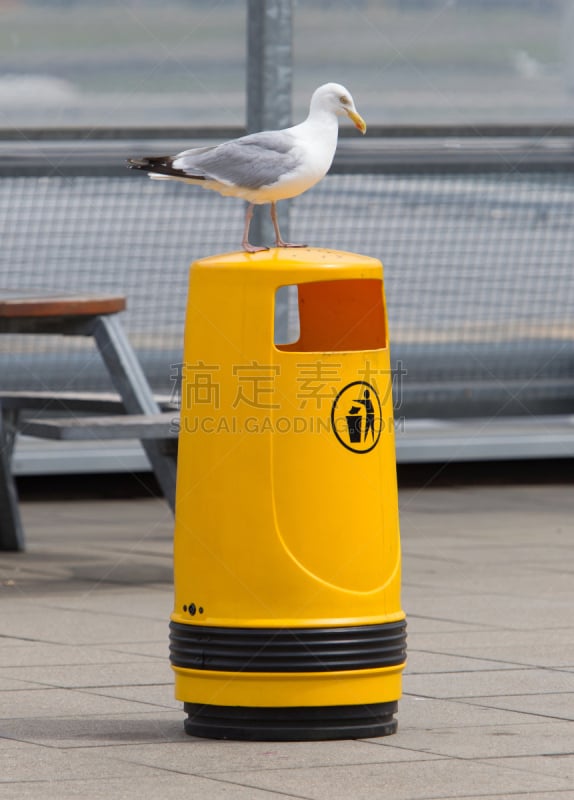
(385, 154)
(45, 457)
(483, 439)
(418, 441)
(478, 131)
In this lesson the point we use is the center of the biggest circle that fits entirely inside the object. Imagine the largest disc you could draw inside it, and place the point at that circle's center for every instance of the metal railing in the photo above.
(474, 227)
(504, 149)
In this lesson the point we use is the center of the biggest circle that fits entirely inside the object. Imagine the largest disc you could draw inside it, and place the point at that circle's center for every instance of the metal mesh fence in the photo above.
(478, 271)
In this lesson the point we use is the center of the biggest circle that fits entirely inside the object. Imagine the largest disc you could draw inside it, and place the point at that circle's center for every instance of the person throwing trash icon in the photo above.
(370, 414)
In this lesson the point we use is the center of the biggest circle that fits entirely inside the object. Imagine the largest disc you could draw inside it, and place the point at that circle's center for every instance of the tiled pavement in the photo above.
(86, 705)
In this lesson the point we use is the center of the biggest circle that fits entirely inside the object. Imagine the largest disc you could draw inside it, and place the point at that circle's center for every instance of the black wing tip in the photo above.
(147, 163)
(161, 164)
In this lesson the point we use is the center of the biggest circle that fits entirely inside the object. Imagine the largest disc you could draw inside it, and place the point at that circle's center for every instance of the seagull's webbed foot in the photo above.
(281, 243)
(252, 248)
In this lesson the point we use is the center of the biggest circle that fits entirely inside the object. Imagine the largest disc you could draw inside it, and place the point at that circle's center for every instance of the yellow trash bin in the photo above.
(287, 622)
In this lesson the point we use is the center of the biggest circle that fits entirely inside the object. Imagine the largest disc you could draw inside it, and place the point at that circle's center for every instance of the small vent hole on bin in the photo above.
(330, 316)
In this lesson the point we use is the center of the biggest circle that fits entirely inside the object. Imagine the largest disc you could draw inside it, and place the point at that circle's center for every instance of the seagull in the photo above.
(267, 166)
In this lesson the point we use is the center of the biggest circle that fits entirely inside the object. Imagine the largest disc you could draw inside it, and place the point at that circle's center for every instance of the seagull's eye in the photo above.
(344, 100)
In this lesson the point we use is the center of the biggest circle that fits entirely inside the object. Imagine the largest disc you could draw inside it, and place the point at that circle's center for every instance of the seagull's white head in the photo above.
(335, 98)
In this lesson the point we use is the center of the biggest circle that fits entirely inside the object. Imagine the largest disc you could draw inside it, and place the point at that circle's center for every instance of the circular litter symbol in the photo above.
(356, 417)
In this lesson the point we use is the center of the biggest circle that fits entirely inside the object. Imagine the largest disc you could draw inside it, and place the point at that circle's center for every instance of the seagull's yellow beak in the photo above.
(358, 120)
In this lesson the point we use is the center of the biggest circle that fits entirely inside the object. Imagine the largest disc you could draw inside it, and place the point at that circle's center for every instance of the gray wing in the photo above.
(252, 161)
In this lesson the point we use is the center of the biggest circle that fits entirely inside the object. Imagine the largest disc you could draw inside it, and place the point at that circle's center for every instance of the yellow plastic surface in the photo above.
(263, 689)
(281, 520)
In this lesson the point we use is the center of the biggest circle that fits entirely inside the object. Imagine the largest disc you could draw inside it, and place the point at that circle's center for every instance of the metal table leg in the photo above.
(11, 530)
(130, 381)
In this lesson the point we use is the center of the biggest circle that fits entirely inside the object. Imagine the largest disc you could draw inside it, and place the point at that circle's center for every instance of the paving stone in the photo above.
(202, 756)
(424, 713)
(32, 654)
(488, 686)
(556, 706)
(128, 673)
(488, 741)
(160, 695)
(166, 786)
(95, 730)
(61, 702)
(79, 627)
(39, 765)
(425, 663)
(444, 778)
(490, 682)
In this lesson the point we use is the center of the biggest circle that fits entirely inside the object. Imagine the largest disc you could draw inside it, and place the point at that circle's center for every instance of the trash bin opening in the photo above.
(337, 316)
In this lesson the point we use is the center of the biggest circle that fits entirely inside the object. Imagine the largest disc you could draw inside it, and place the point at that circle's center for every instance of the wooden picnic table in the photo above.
(31, 312)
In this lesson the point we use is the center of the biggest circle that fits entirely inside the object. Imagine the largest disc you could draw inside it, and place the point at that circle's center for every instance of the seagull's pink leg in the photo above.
(250, 248)
(278, 240)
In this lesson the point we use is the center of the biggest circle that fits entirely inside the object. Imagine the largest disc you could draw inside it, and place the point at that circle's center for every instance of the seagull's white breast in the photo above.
(315, 142)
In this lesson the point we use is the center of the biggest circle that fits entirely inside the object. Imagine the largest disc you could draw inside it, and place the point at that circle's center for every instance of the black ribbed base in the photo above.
(290, 724)
(325, 649)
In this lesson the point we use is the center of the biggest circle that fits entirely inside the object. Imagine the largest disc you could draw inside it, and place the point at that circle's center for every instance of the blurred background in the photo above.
(134, 62)
(463, 187)
(182, 62)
